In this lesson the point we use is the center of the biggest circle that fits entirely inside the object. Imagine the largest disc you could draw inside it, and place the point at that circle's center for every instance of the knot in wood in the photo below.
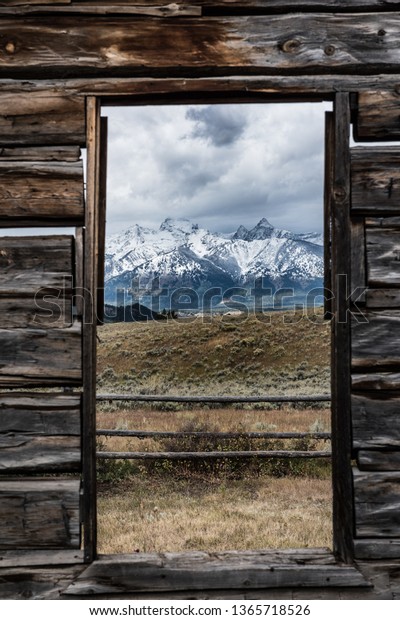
(10, 47)
(329, 50)
(339, 194)
(381, 32)
(291, 46)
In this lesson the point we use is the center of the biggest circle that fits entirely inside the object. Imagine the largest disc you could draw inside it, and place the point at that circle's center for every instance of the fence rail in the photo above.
(265, 454)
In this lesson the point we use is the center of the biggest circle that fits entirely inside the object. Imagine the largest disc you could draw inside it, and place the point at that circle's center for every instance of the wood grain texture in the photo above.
(41, 116)
(377, 116)
(383, 256)
(41, 357)
(358, 268)
(27, 558)
(39, 514)
(48, 191)
(375, 549)
(40, 153)
(39, 432)
(376, 419)
(377, 501)
(383, 298)
(375, 343)
(378, 460)
(311, 43)
(375, 381)
(375, 180)
(36, 281)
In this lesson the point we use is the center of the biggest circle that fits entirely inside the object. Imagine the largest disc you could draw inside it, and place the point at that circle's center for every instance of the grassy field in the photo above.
(222, 504)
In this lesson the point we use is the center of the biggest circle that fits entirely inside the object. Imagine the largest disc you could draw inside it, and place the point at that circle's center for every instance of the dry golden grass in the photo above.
(149, 514)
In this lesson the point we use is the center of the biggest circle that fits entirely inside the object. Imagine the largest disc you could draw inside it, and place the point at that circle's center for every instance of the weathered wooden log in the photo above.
(39, 514)
(375, 381)
(39, 432)
(375, 343)
(383, 298)
(375, 180)
(215, 399)
(377, 504)
(383, 256)
(36, 281)
(52, 192)
(375, 549)
(42, 116)
(41, 357)
(95, 45)
(154, 572)
(378, 460)
(40, 153)
(376, 419)
(27, 558)
(377, 116)
(112, 8)
(358, 272)
(204, 434)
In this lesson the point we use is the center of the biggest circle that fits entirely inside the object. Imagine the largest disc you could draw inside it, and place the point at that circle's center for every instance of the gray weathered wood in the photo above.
(48, 191)
(40, 583)
(378, 460)
(377, 504)
(42, 47)
(239, 454)
(111, 8)
(375, 180)
(375, 343)
(28, 2)
(23, 452)
(377, 115)
(45, 414)
(383, 298)
(27, 558)
(376, 419)
(112, 575)
(383, 256)
(285, 398)
(358, 274)
(375, 549)
(210, 435)
(41, 356)
(375, 381)
(41, 116)
(39, 514)
(41, 153)
(328, 172)
(36, 281)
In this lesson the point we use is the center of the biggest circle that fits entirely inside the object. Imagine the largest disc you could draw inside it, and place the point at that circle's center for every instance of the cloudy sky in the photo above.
(220, 165)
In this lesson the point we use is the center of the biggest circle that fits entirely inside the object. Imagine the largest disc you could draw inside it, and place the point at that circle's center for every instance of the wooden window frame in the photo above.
(337, 194)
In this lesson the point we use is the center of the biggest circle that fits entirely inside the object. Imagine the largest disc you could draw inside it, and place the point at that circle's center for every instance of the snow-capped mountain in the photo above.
(181, 254)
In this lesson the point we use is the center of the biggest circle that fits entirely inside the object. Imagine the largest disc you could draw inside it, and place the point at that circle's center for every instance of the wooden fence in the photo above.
(265, 454)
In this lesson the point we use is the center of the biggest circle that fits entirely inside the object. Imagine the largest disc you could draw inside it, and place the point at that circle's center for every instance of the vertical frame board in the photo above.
(343, 507)
(102, 219)
(329, 150)
(89, 328)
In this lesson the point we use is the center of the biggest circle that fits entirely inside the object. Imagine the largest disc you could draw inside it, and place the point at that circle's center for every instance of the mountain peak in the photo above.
(180, 224)
(263, 223)
(241, 233)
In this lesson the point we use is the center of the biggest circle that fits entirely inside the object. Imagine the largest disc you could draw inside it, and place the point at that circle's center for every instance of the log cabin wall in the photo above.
(59, 59)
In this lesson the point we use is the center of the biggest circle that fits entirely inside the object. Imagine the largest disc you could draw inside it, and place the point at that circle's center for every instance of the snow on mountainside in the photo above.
(181, 253)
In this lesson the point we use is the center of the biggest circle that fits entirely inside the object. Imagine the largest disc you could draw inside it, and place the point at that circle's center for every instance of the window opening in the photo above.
(214, 288)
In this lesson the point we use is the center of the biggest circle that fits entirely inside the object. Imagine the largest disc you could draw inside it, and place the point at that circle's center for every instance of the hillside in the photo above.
(230, 354)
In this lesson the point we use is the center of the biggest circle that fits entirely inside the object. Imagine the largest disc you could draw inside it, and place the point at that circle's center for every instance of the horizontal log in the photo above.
(287, 398)
(376, 381)
(377, 504)
(91, 8)
(27, 2)
(375, 180)
(228, 454)
(36, 281)
(23, 452)
(310, 43)
(49, 191)
(41, 153)
(383, 256)
(39, 514)
(153, 572)
(41, 117)
(378, 460)
(38, 583)
(375, 549)
(375, 419)
(27, 558)
(375, 342)
(41, 357)
(209, 435)
(47, 414)
(377, 116)
(383, 298)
